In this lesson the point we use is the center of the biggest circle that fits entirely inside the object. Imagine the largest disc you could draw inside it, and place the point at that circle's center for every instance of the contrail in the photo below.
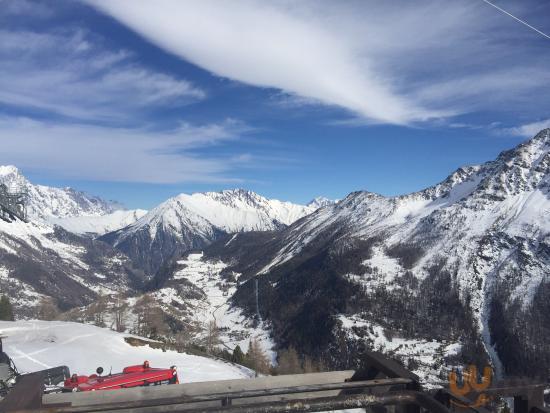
(518, 19)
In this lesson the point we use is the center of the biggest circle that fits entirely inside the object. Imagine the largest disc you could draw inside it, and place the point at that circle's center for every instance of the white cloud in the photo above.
(528, 130)
(392, 62)
(118, 154)
(71, 74)
(267, 46)
(476, 91)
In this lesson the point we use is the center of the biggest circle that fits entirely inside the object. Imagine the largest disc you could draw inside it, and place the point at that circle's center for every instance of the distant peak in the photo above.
(321, 201)
(231, 194)
(542, 136)
(237, 191)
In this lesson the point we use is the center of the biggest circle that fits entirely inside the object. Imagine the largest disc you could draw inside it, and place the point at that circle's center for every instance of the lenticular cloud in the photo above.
(268, 46)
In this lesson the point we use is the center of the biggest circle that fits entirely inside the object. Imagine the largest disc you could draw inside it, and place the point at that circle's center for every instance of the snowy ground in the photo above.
(36, 345)
(235, 328)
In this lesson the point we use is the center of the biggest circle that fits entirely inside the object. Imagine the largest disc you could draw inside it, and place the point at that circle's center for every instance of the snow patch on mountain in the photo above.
(382, 270)
(320, 202)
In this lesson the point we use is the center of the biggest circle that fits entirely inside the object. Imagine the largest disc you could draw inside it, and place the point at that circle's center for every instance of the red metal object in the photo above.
(131, 376)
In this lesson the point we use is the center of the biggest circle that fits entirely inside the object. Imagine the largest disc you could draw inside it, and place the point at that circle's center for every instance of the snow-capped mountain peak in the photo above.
(194, 220)
(46, 202)
(231, 210)
(321, 201)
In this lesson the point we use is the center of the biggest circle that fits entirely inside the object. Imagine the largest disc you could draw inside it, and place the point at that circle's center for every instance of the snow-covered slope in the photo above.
(36, 345)
(193, 221)
(481, 238)
(45, 202)
(99, 224)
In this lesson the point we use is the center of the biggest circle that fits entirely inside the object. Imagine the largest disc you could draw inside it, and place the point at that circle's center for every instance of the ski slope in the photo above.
(37, 345)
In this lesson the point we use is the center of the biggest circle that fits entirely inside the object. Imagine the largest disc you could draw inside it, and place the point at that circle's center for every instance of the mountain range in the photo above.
(465, 262)
(48, 202)
(453, 274)
(458, 271)
(194, 221)
(64, 250)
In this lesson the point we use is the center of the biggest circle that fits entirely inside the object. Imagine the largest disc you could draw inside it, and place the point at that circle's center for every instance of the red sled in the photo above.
(131, 376)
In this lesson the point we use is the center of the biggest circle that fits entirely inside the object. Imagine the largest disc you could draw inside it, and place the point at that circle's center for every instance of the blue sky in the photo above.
(138, 100)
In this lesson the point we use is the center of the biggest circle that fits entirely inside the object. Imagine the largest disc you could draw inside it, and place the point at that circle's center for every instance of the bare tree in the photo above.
(142, 309)
(186, 336)
(97, 310)
(119, 312)
(289, 362)
(76, 315)
(151, 320)
(212, 339)
(183, 339)
(311, 366)
(156, 323)
(47, 309)
(256, 357)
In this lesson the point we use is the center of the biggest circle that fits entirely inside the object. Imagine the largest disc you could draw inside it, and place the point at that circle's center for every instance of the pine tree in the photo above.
(6, 310)
(238, 355)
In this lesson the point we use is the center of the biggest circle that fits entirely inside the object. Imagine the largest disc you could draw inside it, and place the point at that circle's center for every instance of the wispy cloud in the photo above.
(70, 73)
(528, 130)
(389, 62)
(268, 45)
(99, 153)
